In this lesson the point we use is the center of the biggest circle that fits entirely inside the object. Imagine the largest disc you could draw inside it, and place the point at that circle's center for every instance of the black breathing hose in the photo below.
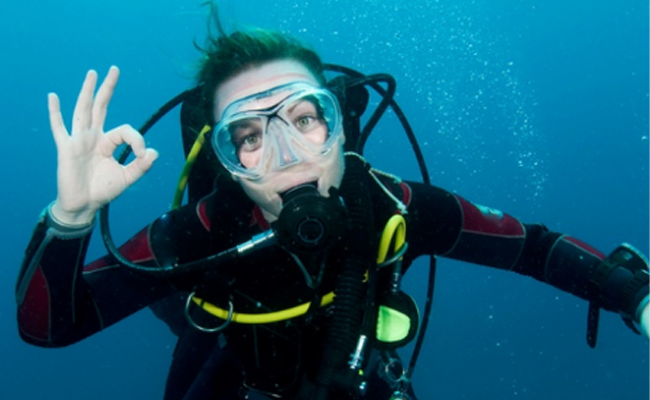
(346, 320)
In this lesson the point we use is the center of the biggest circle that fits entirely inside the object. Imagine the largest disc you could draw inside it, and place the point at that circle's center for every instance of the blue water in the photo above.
(538, 108)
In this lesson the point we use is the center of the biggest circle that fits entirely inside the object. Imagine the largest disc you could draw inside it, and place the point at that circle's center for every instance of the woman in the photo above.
(278, 132)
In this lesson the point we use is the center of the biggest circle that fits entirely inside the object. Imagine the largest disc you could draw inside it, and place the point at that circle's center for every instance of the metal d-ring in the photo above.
(204, 329)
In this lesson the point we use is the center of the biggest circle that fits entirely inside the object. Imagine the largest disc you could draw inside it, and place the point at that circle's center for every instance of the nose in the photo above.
(278, 132)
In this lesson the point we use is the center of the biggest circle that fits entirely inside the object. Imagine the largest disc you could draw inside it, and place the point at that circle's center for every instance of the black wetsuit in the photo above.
(62, 300)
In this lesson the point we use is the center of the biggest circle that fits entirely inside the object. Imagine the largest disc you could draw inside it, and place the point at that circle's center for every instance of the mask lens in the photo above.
(250, 141)
(246, 136)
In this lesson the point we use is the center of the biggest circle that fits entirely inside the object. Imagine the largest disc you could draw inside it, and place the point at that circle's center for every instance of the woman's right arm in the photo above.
(60, 302)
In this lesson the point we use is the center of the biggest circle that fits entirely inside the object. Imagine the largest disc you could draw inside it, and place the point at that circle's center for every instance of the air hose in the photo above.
(346, 321)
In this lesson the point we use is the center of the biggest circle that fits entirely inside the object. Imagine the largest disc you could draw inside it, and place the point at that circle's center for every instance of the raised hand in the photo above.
(88, 175)
(645, 322)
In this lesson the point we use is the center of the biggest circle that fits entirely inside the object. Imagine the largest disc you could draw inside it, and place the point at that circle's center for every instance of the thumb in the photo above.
(645, 320)
(138, 167)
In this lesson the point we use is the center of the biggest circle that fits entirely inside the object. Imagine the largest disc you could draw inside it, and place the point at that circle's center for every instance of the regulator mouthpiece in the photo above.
(309, 222)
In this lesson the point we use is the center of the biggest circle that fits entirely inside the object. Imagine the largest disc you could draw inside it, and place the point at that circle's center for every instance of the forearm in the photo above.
(453, 227)
(48, 289)
(61, 301)
(575, 267)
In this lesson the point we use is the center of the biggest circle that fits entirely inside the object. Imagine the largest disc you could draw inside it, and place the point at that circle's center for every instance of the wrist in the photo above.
(71, 219)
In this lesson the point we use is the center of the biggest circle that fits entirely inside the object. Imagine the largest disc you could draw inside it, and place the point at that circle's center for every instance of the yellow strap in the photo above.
(262, 318)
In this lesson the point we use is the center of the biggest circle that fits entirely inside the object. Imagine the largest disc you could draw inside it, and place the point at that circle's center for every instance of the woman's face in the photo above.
(324, 169)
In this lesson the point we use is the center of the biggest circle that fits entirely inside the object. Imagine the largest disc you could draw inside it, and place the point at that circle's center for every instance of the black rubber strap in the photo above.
(596, 284)
(627, 257)
(629, 301)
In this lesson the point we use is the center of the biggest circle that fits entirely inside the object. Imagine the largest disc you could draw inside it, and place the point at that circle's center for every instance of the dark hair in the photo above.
(227, 55)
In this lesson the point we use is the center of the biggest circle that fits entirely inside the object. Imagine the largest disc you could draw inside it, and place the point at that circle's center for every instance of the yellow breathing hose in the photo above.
(187, 168)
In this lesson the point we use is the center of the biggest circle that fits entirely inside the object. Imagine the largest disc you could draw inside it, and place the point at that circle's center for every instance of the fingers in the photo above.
(138, 167)
(81, 118)
(87, 113)
(103, 97)
(120, 135)
(59, 132)
(144, 157)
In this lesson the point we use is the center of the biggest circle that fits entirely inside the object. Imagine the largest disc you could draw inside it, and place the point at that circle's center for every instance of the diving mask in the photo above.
(253, 138)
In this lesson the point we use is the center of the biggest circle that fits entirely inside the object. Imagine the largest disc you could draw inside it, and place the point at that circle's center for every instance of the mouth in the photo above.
(300, 187)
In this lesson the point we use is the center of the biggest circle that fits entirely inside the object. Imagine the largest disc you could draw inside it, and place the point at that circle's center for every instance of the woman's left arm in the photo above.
(445, 224)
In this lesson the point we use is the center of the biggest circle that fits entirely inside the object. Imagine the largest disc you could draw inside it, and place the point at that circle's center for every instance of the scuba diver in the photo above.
(281, 275)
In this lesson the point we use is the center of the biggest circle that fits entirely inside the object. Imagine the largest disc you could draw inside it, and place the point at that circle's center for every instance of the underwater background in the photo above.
(536, 108)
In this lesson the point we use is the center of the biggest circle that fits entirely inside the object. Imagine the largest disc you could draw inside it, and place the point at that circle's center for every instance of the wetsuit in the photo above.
(62, 300)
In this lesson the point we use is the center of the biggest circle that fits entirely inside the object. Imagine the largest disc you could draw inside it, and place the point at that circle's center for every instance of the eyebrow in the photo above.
(302, 100)
(244, 123)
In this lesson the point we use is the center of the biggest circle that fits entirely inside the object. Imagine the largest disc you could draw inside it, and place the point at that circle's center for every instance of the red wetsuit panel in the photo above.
(34, 312)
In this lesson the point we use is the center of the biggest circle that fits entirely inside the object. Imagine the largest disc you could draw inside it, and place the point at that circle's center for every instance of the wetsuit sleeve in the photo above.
(60, 301)
(445, 224)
